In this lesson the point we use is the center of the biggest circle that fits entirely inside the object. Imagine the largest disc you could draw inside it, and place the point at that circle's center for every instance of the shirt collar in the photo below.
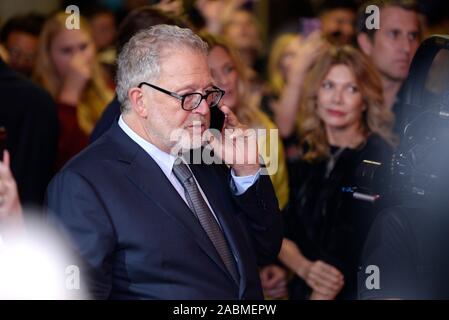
(163, 159)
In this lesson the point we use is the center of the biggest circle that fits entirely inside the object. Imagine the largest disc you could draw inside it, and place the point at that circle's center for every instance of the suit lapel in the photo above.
(208, 180)
(148, 177)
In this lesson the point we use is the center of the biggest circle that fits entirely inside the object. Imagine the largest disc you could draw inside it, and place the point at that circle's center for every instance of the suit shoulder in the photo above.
(95, 158)
(16, 83)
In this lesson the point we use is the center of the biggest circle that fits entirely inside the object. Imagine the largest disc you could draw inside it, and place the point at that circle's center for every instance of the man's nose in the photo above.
(406, 45)
(203, 108)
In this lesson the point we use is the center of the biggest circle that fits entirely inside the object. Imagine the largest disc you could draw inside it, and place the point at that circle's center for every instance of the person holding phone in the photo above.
(228, 74)
(135, 21)
(148, 223)
(290, 58)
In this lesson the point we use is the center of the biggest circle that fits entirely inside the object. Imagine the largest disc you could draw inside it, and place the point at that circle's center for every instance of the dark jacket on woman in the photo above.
(324, 221)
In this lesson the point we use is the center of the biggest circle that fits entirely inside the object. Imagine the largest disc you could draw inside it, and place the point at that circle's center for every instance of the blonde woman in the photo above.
(290, 57)
(282, 54)
(343, 121)
(228, 74)
(66, 67)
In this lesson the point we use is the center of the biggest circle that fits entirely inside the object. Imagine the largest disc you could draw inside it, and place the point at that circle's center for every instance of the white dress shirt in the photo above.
(166, 161)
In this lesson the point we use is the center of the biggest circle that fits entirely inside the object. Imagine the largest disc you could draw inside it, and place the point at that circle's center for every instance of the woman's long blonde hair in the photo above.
(377, 118)
(96, 94)
(275, 76)
(246, 110)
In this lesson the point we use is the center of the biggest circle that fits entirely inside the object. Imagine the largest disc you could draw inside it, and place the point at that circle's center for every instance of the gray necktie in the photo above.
(205, 216)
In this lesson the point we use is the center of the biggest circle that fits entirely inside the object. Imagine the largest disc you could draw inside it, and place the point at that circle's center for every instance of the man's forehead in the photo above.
(394, 17)
(340, 12)
(185, 66)
(171, 50)
(182, 60)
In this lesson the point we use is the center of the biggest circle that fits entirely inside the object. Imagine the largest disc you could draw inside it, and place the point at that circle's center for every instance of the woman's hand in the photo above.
(286, 109)
(307, 51)
(318, 296)
(274, 281)
(217, 13)
(10, 208)
(325, 280)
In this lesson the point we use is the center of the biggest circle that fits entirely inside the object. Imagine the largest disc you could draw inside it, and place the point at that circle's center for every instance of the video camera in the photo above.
(420, 165)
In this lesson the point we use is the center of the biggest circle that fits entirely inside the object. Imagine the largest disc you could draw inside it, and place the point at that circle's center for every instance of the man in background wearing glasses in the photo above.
(148, 224)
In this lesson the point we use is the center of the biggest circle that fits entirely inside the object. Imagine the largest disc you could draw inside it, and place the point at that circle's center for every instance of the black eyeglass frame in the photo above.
(184, 96)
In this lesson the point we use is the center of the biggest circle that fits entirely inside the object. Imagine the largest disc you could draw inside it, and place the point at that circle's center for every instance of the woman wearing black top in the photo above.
(343, 122)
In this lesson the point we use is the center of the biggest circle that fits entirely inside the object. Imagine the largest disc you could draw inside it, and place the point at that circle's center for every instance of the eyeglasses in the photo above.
(191, 101)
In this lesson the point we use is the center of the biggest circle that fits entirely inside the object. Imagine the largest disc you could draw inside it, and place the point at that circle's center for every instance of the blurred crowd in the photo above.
(328, 84)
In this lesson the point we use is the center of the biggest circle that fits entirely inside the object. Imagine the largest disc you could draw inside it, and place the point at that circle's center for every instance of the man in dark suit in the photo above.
(138, 19)
(28, 114)
(146, 223)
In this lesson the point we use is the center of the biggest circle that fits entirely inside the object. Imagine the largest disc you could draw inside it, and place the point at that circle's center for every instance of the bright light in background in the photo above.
(35, 265)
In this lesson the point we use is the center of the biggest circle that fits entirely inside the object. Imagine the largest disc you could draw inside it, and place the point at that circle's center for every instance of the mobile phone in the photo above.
(308, 25)
(217, 118)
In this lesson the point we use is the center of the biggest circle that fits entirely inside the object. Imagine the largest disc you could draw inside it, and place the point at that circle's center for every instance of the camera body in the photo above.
(419, 167)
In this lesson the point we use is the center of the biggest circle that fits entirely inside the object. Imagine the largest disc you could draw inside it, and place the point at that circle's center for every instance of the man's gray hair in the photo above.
(140, 57)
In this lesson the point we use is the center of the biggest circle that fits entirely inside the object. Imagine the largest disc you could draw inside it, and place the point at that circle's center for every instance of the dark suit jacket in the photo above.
(110, 113)
(30, 117)
(139, 239)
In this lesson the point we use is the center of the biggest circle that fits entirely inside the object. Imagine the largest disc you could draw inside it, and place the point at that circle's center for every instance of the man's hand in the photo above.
(325, 280)
(237, 146)
(274, 281)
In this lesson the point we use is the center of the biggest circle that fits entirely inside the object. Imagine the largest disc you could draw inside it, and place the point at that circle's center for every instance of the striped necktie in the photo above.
(205, 216)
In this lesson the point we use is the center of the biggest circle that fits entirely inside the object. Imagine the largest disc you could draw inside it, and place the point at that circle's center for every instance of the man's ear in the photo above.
(365, 43)
(137, 99)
